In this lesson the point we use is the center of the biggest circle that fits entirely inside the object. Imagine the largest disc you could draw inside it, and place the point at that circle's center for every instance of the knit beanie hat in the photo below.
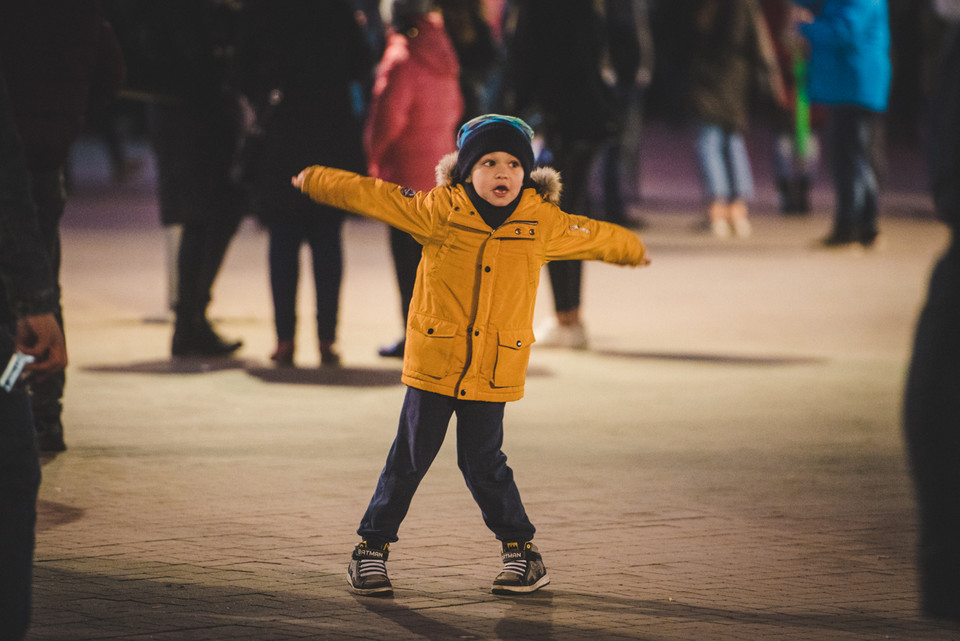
(490, 133)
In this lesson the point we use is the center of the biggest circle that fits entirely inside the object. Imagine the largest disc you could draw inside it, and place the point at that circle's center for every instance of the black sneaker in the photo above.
(367, 571)
(523, 570)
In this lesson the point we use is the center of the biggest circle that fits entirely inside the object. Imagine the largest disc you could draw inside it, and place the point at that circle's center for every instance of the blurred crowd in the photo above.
(237, 96)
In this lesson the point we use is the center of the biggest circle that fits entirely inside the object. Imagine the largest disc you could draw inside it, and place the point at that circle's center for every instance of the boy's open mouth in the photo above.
(501, 190)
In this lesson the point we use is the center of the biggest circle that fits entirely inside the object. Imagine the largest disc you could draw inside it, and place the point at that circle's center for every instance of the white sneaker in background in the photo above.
(553, 334)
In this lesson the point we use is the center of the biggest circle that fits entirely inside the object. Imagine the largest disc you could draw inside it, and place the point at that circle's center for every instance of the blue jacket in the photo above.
(850, 53)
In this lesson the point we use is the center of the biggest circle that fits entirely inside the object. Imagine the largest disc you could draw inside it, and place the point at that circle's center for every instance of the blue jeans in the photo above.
(19, 483)
(423, 425)
(852, 136)
(323, 234)
(724, 164)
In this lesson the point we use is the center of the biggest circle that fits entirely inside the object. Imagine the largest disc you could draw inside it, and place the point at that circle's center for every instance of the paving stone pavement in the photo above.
(725, 462)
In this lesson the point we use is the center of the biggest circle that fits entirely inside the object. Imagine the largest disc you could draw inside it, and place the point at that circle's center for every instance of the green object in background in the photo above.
(802, 118)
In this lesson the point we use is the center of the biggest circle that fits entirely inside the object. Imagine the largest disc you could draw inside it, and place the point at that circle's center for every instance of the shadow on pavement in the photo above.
(140, 600)
(336, 376)
(171, 366)
(718, 359)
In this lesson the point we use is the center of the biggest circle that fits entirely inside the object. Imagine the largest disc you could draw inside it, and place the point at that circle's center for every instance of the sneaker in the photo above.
(720, 228)
(742, 227)
(553, 334)
(367, 571)
(523, 570)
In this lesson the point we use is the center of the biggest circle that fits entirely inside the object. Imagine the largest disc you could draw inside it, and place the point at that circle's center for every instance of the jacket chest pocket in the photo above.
(513, 355)
(430, 349)
(516, 260)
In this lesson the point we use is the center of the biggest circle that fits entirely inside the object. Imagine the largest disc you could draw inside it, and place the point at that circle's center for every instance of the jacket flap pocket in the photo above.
(432, 326)
(516, 338)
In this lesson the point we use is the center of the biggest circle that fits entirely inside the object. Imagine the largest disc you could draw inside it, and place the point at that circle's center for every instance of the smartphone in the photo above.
(13, 370)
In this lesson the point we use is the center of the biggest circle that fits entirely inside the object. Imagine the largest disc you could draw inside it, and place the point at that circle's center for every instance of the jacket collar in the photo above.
(546, 180)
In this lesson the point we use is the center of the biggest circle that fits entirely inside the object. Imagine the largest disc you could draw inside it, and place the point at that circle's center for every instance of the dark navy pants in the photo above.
(423, 425)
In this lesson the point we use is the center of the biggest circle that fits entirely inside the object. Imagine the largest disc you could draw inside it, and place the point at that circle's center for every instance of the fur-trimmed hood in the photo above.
(546, 180)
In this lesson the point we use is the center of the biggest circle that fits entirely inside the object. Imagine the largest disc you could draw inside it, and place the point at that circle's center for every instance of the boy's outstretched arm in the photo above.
(583, 238)
(400, 207)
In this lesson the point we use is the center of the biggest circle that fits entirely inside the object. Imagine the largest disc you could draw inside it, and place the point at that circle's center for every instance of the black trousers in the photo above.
(19, 484)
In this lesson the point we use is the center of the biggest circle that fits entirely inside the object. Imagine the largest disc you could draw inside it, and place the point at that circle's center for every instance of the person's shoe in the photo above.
(523, 570)
(720, 228)
(200, 339)
(837, 241)
(742, 227)
(283, 355)
(876, 242)
(328, 356)
(367, 571)
(393, 351)
(552, 334)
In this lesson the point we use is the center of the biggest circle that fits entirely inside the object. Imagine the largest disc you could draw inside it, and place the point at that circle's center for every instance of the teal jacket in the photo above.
(849, 53)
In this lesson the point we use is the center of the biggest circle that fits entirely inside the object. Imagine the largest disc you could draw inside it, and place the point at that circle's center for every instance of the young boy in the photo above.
(486, 231)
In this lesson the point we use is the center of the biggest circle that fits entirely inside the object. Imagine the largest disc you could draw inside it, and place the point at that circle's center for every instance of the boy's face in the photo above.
(497, 177)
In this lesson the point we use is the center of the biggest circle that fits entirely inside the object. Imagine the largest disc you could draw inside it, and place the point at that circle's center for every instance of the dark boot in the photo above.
(194, 336)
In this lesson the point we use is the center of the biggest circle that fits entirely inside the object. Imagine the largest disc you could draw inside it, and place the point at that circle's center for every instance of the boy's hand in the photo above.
(297, 181)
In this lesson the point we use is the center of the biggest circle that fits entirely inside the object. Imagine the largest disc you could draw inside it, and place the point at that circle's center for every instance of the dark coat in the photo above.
(725, 62)
(63, 65)
(316, 53)
(195, 124)
(554, 58)
(27, 281)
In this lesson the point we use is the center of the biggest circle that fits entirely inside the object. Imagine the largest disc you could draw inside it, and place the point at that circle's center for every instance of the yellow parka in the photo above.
(469, 329)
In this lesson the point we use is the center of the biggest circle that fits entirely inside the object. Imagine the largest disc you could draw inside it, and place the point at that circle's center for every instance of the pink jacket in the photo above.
(415, 107)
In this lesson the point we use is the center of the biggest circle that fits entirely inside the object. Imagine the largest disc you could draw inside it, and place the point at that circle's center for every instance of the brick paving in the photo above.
(726, 462)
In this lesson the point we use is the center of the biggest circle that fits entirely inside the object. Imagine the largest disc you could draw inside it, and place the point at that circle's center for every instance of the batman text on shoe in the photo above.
(523, 570)
(367, 571)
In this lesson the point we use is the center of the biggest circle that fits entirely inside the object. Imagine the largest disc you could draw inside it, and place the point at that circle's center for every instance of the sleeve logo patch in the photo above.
(408, 192)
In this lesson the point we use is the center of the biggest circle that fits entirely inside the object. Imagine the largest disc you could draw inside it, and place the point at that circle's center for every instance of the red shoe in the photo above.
(283, 355)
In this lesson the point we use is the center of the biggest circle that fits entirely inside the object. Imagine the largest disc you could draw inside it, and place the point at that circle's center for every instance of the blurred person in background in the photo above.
(730, 50)
(184, 50)
(932, 404)
(553, 76)
(629, 28)
(480, 58)
(31, 293)
(415, 109)
(63, 67)
(796, 146)
(298, 63)
(850, 73)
